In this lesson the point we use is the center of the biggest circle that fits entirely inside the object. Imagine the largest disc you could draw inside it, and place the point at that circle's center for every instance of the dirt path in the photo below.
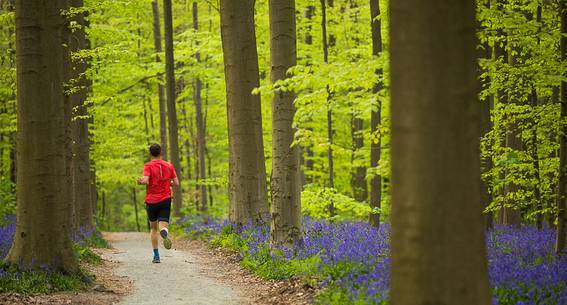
(178, 280)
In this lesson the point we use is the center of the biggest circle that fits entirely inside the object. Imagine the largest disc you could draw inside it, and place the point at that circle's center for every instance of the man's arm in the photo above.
(144, 180)
(175, 181)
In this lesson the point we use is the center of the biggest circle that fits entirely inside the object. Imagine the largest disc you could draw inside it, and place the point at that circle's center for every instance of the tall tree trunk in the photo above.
(358, 179)
(376, 117)
(146, 124)
(285, 182)
(209, 162)
(438, 249)
(309, 155)
(171, 104)
(329, 109)
(103, 212)
(80, 128)
(485, 128)
(247, 171)
(358, 182)
(162, 104)
(535, 151)
(135, 202)
(501, 54)
(562, 188)
(200, 125)
(43, 194)
(512, 214)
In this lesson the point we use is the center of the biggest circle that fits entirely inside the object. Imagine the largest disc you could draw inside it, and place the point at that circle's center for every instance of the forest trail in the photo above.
(177, 280)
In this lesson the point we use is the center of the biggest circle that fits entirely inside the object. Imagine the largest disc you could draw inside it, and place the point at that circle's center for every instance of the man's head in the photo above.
(155, 150)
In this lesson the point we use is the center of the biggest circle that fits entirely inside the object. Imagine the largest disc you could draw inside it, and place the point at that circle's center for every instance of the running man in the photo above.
(159, 175)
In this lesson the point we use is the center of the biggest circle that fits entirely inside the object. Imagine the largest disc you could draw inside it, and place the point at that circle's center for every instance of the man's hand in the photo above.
(143, 180)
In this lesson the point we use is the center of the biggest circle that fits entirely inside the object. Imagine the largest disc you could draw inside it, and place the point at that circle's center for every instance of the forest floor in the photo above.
(191, 273)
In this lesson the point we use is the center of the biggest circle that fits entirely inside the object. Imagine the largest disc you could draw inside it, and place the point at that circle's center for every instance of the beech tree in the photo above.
(199, 119)
(81, 173)
(247, 171)
(330, 160)
(376, 117)
(438, 249)
(562, 189)
(161, 98)
(172, 105)
(285, 182)
(43, 195)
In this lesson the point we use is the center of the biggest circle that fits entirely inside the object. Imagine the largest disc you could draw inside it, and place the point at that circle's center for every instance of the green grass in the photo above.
(42, 282)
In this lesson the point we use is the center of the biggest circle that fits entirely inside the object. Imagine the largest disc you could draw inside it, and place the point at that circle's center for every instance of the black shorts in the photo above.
(159, 211)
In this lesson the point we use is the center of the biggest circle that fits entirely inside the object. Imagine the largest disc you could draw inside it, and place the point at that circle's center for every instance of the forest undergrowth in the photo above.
(16, 280)
(351, 260)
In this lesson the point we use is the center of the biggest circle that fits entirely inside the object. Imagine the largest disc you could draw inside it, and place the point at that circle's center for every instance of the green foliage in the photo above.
(7, 110)
(523, 88)
(86, 255)
(339, 296)
(39, 281)
(316, 200)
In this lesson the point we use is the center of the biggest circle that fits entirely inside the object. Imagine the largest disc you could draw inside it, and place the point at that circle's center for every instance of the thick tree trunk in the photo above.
(171, 104)
(438, 249)
(247, 171)
(43, 194)
(81, 174)
(376, 117)
(562, 188)
(285, 182)
(201, 140)
(162, 104)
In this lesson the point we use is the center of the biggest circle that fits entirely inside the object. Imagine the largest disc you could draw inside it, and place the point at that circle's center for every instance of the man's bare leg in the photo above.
(154, 238)
(164, 232)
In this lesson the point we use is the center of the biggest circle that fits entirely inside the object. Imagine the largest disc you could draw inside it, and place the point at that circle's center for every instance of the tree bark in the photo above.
(438, 249)
(43, 144)
(562, 188)
(201, 140)
(81, 174)
(171, 104)
(485, 128)
(329, 109)
(309, 162)
(501, 55)
(376, 116)
(512, 215)
(162, 104)
(358, 179)
(247, 171)
(135, 202)
(535, 151)
(285, 182)
(358, 182)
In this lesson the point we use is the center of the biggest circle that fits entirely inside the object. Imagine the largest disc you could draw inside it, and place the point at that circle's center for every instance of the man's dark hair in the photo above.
(155, 150)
